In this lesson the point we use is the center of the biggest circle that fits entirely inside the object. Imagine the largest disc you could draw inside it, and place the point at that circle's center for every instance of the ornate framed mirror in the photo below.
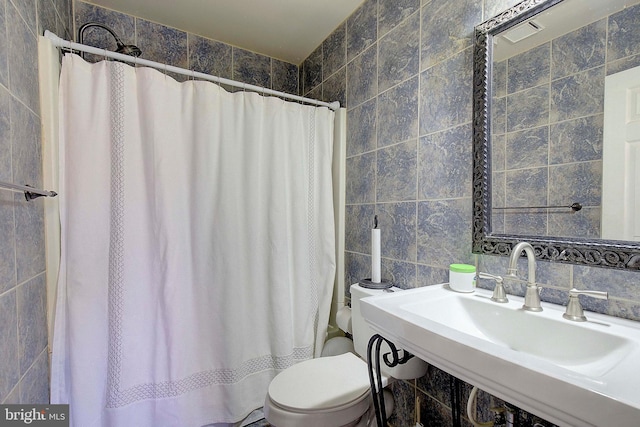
(556, 154)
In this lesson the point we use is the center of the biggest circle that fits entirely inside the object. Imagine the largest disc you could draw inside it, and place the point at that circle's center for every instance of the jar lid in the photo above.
(462, 268)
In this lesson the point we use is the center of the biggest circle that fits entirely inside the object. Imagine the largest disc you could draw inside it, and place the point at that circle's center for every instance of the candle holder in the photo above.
(368, 284)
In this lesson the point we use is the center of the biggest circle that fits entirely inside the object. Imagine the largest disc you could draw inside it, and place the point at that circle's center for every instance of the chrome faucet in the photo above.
(532, 294)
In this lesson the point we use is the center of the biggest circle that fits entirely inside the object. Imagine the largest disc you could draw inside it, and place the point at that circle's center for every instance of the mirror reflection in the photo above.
(565, 123)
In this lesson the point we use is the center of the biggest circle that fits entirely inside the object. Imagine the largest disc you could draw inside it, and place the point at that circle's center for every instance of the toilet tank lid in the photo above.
(323, 383)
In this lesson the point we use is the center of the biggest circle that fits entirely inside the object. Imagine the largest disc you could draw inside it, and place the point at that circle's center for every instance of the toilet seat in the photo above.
(321, 384)
(326, 391)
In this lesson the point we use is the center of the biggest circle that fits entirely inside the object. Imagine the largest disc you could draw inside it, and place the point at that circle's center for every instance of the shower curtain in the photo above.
(197, 246)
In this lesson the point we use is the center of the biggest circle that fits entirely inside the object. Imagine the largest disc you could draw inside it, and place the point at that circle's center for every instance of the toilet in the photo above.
(334, 391)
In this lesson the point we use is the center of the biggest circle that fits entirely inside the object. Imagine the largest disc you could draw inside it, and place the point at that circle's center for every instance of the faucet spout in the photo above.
(532, 294)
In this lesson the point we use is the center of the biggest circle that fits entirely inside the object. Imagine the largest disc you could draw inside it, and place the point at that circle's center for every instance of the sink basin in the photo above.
(571, 373)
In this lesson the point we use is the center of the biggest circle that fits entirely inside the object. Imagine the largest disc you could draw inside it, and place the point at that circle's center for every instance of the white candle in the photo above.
(375, 255)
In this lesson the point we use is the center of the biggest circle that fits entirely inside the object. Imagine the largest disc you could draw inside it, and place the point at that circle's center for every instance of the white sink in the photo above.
(571, 373)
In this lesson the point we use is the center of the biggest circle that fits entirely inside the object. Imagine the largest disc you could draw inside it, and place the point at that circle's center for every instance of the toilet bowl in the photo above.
(333, 391)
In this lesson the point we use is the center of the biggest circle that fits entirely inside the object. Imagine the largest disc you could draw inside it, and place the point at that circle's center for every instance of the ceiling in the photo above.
(284, 29)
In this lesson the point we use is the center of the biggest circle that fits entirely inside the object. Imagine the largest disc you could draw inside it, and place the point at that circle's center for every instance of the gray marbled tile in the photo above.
(9, 365)
(623, 64)
(551, 273)
(123, 25)
(47, 18)
(5, 135)
(527, 148)
(528, 69)
(210, 56)
(398, 53)
(528, 108)
(312, 70)
(397, 222)
(335, 87)
(284, 77)
(398, 113)
(29, 232)
(498, 196)
(393, 12)
(444, 232)
(315, 93)
(625, 309)
(7, 243)
(499, 79)
(362, 28)
(435, 383)
(27, 10)
(526, 187)
(26, 157)
(399, 273)
(435, 413)
(579, 50)
(64, 11)
(619, 283)
(447, 28)
(396, 172)
(493, 264)
(494, 7)
(23, 68)
(497, 222)
(362, 83)
(576, 182)
(362, 128)
(446, 93)
(578, 95)
(252, 68)
(576, 140)
(624, 33)
(498, 149)
(498, 115)
(357, 267)
(162, 44)
(361, 179)
(4, 48)
(404, 396)
(584, 223)
(34, 387)
(32, 321)
(532, 222)
(334, 50)
(554, 296)
(358, 220)
(445, 164)
(428, 275)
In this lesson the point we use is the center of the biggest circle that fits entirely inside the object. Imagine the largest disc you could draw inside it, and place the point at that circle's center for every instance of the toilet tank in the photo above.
(362, 333)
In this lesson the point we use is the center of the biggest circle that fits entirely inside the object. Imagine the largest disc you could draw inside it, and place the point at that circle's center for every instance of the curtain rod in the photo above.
(30, 193)
(59, 42)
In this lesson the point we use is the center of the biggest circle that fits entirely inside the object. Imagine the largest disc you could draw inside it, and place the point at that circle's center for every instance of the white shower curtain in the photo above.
(197, 246)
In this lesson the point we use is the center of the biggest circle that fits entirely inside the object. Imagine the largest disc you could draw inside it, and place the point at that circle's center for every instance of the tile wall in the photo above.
(24, 370)
(544, 101)
(185, 50)
(403, 69)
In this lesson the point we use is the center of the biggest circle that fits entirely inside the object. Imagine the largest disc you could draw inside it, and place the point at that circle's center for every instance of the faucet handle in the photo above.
(499, 294)
(574, 308)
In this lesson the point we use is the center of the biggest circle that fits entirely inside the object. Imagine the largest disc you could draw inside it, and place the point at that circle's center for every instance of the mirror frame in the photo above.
(589, 252)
